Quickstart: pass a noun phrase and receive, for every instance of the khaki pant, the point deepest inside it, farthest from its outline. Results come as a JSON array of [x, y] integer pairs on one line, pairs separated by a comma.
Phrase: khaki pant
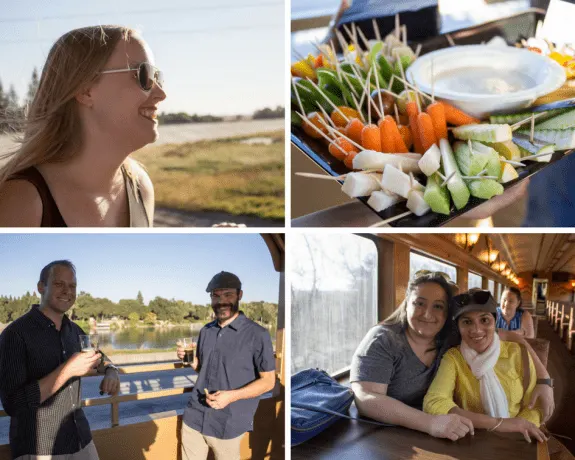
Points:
[[87, 453], [195, 446]]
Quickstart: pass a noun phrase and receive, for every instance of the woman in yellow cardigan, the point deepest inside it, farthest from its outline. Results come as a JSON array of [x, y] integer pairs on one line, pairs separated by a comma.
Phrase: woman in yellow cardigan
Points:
[[481, 379]]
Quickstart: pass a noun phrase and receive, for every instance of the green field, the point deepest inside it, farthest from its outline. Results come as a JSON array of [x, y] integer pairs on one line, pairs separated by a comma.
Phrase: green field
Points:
[[221, 175]]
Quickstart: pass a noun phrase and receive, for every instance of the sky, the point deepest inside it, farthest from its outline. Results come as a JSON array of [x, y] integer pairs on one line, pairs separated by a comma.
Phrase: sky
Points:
[[220, 57], [116, 266]]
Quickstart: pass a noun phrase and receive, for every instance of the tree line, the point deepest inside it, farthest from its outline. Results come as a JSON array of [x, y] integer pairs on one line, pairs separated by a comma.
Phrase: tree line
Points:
[[12, 113], [135, 310]]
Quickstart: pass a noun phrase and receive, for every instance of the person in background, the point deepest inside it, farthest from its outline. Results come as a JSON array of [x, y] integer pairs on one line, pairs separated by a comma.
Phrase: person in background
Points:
[[235, 364], [511, 316], [483, 374], [41, 363]]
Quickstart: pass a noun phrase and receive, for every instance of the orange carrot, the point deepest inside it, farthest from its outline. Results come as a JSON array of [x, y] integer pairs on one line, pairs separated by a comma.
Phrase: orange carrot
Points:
[[345, 145], [406, 136], [338, 120], [457, 117], [413, 112], [400, 146], [353, 130], [349, 159], [437, 114], [370, 138], [386, 137], [318, 62], [315, 118], [426, 131]]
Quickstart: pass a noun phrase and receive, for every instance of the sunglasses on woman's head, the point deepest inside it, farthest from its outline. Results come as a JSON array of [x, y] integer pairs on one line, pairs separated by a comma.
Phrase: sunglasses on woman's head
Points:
[[473, 298], [146, 74], [419, 273]]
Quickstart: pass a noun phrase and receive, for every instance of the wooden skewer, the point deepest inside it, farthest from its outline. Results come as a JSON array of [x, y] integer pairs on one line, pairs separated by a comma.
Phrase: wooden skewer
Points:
[[418, 101], [333, 53], [446, 180], [336, 133], [532, 128], [404, 30], [376, 29], [320, 176], [348, 32], [391, 82], [365, 90], [344, 45], [397, 26], [530, 157], [450, 39], [396, 114], [335, 107], [418, 50], [319, 131], [441, 175], [385, 222], [409, 85], [512, 163], [303, 87], [517, 125], [358, 108], [379, 94], [297, 96], [344, 75], [326, 115], [363, 38]]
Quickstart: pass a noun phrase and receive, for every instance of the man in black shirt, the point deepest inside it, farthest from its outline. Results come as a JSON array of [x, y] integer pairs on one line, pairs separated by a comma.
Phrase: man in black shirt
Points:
[[235, 364], [41, 364]]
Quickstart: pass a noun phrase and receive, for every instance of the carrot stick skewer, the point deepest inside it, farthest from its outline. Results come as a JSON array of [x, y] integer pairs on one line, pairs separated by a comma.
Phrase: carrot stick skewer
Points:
[[412, 112], [437, 114], [426, 131], [456, 116]]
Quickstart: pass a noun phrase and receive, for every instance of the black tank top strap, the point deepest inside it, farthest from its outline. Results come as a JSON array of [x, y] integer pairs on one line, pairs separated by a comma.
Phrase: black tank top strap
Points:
[[51, 216]]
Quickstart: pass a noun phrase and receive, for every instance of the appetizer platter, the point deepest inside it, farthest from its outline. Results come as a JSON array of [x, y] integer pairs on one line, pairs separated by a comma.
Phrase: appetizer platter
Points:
[[423, 138]]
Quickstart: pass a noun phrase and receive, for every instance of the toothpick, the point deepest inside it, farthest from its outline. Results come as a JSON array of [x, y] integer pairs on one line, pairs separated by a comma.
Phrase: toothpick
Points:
[[418, 50], [411, 180], [418, 101], [396, 114], [442, 176], [513, 163], [368, 100], [397, 26], [379, 94], [532, 128], [336, 133], [334, 54], [344, 75], [385, 222], [348, 32], [517, 125], [358, 108], [391, 81], [404, 30], [303, 87], [363, 38], [297, 55], [326, 115], [342, 42], [446, 180], [432, 83], [470, 145], [297, 96], [376, 30], [320, 176], [329, 100], [319, 131], [409, 85], [530, 157], [479, 177], [450, 39]]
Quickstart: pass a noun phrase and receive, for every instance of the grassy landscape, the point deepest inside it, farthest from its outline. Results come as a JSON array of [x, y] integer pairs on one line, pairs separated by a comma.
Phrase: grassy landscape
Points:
[[222, 175]]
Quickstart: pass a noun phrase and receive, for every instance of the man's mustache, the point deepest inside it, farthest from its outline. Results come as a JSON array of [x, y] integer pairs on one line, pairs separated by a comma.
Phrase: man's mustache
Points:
[[219, 305]]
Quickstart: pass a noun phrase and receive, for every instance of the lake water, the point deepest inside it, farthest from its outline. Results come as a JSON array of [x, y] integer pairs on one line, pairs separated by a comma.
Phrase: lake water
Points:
[[143, 338]]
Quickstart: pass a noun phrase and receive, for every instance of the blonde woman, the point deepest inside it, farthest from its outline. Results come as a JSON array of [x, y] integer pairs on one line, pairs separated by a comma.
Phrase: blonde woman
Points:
[[96, 104]]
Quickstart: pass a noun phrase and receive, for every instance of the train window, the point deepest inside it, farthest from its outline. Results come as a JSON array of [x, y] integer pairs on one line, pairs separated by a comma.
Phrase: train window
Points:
[[333, 298], [491, 287], [474, 280], [419, 262]]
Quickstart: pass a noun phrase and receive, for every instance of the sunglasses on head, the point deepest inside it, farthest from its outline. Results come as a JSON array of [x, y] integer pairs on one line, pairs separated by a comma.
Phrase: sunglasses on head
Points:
[[419, 273], [472, 298], [146, 74]]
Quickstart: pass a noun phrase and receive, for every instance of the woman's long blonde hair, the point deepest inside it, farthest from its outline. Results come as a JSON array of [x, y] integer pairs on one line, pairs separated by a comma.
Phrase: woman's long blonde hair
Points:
[[52, 131]]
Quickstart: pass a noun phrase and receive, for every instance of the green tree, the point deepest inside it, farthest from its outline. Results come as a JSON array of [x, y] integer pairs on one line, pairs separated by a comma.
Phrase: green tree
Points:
[[150, 318], [140, 297], [134, 318], [33, 86]]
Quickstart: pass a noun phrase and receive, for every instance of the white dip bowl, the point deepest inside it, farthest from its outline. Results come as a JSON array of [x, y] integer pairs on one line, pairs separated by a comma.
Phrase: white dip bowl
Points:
[[481, 80]]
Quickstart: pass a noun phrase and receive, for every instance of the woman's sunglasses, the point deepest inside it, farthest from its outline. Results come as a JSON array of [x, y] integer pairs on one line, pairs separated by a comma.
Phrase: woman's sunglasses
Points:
[[146, 74], [474, 298]]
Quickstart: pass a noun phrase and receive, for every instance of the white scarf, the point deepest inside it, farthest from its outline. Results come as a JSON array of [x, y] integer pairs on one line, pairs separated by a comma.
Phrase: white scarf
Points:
[[493, 397]]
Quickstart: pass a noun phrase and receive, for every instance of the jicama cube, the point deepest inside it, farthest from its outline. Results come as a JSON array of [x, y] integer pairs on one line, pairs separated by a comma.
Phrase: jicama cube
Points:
[[360, 184], [381, 200], [370, 159], [416, 203], [395, 181], [430, 161]]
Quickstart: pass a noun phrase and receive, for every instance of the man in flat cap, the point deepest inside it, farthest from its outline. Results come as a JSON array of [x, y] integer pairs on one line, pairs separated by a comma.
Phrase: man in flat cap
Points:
[[235, 364]]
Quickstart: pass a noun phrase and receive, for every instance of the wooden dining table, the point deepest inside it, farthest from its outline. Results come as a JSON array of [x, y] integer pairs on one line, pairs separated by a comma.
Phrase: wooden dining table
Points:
[[352, 440]]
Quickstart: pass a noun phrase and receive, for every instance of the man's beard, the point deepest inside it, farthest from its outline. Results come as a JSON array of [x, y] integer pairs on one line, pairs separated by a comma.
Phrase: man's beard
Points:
[[234, 308]]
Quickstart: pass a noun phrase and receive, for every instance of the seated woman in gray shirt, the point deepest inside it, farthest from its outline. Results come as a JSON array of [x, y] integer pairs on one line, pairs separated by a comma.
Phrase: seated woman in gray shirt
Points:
[[396, 361]]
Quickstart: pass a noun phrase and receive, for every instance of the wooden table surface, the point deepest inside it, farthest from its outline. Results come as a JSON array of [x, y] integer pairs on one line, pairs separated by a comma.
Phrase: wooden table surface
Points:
[[353, 440]]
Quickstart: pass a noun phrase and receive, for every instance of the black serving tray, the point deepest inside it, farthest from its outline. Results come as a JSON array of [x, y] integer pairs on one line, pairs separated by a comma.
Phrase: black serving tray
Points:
[[513, 29]]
